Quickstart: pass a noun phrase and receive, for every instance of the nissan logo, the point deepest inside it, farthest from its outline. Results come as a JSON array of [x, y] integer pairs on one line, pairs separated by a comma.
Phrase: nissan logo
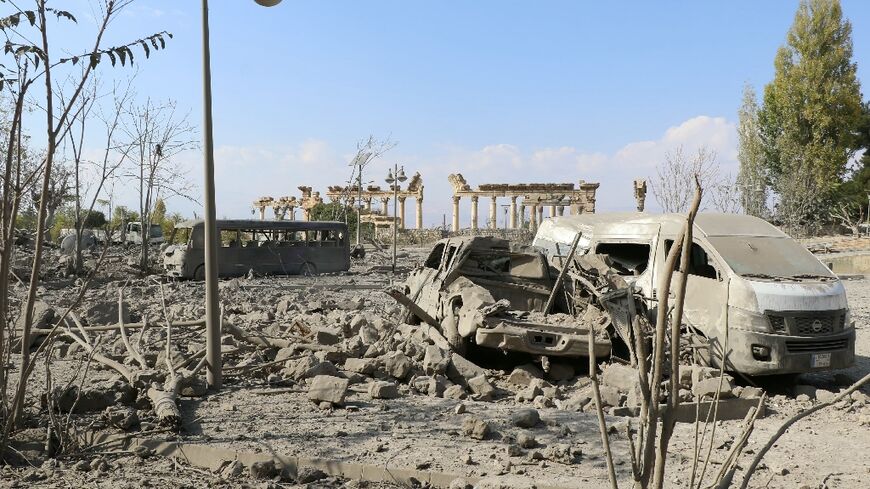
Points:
[[817, 326]]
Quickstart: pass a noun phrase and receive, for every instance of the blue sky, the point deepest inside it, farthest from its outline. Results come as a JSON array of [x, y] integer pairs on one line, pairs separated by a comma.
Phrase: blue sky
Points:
[[502, 91]]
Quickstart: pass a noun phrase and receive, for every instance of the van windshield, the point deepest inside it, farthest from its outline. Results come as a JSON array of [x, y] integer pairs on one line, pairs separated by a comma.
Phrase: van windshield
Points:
[[769, 257]]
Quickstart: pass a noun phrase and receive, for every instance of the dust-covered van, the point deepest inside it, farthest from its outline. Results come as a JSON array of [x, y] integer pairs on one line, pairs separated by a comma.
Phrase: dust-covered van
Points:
[[752, 291]]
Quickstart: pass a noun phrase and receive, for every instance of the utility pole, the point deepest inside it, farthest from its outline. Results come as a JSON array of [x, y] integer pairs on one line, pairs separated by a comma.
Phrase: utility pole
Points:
[[394, 178], [214, 375]]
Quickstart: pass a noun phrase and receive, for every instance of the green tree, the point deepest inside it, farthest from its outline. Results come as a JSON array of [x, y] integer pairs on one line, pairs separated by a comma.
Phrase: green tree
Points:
[[853, 193], [751, 178], [812, 109], [334, 211]]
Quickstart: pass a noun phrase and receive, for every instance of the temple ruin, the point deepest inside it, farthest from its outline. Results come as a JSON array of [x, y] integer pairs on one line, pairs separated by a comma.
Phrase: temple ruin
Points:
[[380, 216], [287, 205], [579, 199]]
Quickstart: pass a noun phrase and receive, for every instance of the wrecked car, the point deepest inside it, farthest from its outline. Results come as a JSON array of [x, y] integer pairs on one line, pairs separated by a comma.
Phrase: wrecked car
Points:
[[480, 291], [753, 293]]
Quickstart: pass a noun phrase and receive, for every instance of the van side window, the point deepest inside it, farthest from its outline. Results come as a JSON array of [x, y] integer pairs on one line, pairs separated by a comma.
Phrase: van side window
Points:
[[627, 258], [229, 238], [700, 263]]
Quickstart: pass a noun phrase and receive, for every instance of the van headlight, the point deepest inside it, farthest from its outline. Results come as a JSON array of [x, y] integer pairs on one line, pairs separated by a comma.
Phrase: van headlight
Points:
[[847, 323], [748, 320]]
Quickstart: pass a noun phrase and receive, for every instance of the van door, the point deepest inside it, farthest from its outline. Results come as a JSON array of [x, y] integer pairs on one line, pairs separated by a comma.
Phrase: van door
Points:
[[706, 304]]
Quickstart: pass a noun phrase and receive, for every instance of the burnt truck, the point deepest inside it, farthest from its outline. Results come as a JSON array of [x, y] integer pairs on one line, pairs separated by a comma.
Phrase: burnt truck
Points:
[[754, 295], [481, 291]]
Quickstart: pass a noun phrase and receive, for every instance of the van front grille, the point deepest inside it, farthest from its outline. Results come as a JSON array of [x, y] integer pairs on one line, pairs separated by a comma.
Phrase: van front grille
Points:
[[807, 323], [777, 323], [804, 346], [805, 326]]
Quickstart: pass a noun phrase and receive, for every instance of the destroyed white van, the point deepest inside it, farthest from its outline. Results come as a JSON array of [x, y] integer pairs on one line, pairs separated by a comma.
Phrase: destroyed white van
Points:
[[752, 291]]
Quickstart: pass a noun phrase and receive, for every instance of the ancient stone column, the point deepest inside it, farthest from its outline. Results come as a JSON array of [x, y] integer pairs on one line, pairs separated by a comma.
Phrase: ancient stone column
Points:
[[262, 213], [533, 217], [291, 211], [474, 199], [368, 201], [552, 211], [561, 210], [493, 213], [522, 215], [402, 212], [419, 213], [540, 214], [456, 213], [513, 211], [385, 205]]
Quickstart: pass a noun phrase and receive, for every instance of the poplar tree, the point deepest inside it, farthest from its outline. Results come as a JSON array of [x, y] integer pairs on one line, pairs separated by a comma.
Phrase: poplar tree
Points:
[[811, 110], [751, 179]]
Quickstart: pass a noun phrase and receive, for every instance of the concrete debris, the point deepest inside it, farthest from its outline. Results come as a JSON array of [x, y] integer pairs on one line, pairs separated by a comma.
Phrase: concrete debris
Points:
[[709, 388], [481, 387], [383, 390], [524, 374], [456, 392], [526, 440], [610, 396], [397, 365], [365, 366], [475, 428], [622, 377], [326, 388], [461, 370], [435, 361]]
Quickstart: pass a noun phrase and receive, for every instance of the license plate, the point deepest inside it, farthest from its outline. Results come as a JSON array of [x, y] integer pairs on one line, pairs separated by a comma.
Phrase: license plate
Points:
[[821, 360]]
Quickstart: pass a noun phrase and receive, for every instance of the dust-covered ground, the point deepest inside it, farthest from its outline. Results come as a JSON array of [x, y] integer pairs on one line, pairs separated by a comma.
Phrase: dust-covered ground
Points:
[[405, 407]]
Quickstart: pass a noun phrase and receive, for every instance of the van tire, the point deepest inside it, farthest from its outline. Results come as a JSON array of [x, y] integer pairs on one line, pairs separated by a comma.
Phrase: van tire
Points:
[[308, 269], [199, 273]]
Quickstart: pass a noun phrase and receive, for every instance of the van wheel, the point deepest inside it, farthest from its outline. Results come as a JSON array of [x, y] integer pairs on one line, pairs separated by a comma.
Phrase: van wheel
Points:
[[308, 270], [199, 273]]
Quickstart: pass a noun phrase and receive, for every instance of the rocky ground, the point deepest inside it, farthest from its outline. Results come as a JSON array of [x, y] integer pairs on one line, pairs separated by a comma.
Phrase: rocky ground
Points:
[[344, 379]]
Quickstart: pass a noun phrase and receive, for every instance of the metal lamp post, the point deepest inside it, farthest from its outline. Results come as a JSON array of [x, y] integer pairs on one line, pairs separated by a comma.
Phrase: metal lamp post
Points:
[[395, 181], [214, 375]]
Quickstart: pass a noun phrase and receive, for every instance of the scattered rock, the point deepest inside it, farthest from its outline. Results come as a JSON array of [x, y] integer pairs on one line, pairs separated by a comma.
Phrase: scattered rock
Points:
[[525, 418], [823, 395], [610, 396], [526, 440], [475, 428], [435, 361], [807, 390], [307, 475], [383, 390], [709, 388], [455, 392], [620, 376], [751, 392], [263, 470], [365, 366], [325, 388], [560, 371], [398, 365], [121, 417], [481, 387], [461, 370], [524, 374]]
